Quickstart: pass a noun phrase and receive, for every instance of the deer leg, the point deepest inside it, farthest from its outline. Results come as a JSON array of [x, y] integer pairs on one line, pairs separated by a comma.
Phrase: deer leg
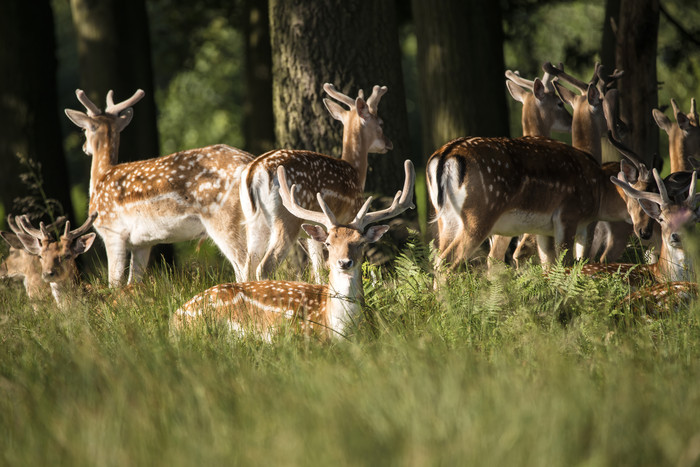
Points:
[[116, 260], [318, 260], [139, 261], [617, 241], [258, 238], [497, 253], [584, 239], [546, 250], [230, 238], [282, 238]]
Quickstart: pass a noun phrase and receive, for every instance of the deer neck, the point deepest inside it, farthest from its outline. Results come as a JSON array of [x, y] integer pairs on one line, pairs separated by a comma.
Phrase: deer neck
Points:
[[613, 205], [531, 120], [104, 157], [63, 290], [345, 296], [355, 153], [585, 133]]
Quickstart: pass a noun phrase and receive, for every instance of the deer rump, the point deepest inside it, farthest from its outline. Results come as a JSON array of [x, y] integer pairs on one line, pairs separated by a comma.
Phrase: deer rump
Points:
[[510, 186]]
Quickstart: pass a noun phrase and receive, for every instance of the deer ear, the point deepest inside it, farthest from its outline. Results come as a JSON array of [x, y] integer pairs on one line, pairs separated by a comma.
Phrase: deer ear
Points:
[[630, 171], [30, 243], [593, 95], [335, 109], [12, 240], [518, 93], [661, 120], [80, 119], [125, 118], [683, 122], [83, 244], [375, 232], [362, 108], [538, 89], [315, 231], [651, 208]]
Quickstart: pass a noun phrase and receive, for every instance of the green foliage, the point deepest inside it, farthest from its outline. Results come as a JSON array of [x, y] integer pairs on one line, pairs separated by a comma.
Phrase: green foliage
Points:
[[203, 105]]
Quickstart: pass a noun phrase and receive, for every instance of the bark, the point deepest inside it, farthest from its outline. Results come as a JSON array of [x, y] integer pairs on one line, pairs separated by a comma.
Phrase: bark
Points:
[[29, 119], [636, 54], [258, 126], [352, 44], [460, 70], [609, 41]]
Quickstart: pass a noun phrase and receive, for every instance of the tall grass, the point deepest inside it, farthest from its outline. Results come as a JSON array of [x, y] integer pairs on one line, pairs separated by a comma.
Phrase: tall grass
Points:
[[516, 370]]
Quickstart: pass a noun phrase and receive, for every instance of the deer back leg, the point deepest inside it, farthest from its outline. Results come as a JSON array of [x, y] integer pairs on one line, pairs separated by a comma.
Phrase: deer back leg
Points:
[[139, 261], [283, 234]]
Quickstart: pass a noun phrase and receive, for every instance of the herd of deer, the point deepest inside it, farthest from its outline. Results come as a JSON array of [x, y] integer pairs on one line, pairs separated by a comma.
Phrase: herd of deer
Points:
[[557, 197]]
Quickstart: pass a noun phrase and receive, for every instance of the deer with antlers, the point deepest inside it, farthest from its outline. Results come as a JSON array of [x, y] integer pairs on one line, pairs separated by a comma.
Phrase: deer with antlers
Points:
[[329, 310], [271, 229], [683, 137], [57, 255], [21, 265], [182, 196], [672, 276]]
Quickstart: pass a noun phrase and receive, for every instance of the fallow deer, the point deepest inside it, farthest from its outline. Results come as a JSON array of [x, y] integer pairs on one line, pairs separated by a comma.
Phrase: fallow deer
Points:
[[182, 196], [329, 310], [543, 112], [683, 137], [57, 256], [21, 265], [271, 229]]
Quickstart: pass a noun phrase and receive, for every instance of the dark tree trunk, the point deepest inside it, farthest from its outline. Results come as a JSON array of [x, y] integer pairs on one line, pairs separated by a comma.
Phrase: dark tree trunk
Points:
[[352, 44], [636, 55], [609, 42], [114, 53], [259, 122], [460, 70], [29, 118]]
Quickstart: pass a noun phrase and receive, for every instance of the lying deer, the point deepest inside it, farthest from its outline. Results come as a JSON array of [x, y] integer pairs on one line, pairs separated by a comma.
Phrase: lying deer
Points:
[[683, 137], [21, 265], [329, 310], [183, 196], [271, 229], [57, 256]]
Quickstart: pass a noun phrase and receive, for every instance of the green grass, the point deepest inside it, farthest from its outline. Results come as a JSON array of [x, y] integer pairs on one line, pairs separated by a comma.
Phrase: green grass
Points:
[[519, 370]]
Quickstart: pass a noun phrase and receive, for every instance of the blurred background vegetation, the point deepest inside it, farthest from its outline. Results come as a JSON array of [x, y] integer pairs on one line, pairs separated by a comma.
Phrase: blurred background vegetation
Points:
[[207, 68]]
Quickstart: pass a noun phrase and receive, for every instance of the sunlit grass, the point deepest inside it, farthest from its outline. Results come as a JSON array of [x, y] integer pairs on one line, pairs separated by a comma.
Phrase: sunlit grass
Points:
[[518, 370]]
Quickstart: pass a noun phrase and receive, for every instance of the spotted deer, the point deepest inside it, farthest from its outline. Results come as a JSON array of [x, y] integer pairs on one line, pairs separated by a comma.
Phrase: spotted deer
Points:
[[328, 310], [683, 137], [179, 197], [57, 255], [543, 112], [672, 276], [21, 265], [271, 229]]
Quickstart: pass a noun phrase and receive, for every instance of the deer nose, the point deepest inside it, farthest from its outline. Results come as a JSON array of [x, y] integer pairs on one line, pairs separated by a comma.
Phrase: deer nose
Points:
[[345, 263], [47, 275], [675, 238], [645, 234]]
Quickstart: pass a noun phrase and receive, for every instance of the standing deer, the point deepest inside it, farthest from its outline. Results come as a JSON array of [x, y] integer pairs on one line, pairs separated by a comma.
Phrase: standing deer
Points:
[[329, 310], [182, 196], [271, 229], [543, 112], [683, 137], [57, 256], [22, 265]]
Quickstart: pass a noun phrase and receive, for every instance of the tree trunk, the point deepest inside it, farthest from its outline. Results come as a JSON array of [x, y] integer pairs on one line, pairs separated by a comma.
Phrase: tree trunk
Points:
[[636, 55], [609, 42], [29, 119], [460, 70], [114, 52], [259, 122], [352, 44]]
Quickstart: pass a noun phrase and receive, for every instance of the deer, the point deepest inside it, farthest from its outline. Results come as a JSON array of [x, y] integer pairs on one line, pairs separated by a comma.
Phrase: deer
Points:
[[683, 137], [672, 277], [543, 112], [182, 196], [57, 256], [270, 228], [21, 265], [329, 310]]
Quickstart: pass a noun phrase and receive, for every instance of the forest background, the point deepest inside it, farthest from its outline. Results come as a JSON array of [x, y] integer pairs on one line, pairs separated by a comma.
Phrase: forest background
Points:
[[248, 73]]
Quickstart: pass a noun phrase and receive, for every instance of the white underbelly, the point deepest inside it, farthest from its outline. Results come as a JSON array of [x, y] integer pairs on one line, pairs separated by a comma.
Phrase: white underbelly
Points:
[[140, 231], [516, 222]]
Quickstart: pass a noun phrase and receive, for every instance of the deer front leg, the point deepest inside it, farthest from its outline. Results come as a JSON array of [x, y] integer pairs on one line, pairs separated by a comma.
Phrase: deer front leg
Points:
[[546, 250], [139, 261], [584, 240], [116, 259], [317, 258], [283, 235], [497, 253]]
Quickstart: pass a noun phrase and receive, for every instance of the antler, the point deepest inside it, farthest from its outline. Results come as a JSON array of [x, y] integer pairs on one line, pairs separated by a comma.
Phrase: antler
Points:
[[625, 151], [71, 235], [661, 198], [115, 109], [42, 233], [92, 109], [554, 71], [373, 101], [403, 200], [693, 111], [337, 95], [325, 218]]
